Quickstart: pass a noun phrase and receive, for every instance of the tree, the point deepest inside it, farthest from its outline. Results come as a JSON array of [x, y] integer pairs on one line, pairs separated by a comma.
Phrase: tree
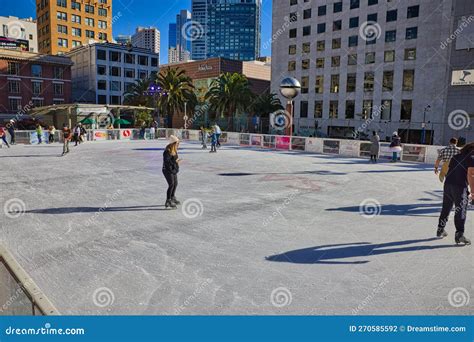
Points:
[[136, 94], [143, 117], [230, 94], [266, 104], [177, 88]]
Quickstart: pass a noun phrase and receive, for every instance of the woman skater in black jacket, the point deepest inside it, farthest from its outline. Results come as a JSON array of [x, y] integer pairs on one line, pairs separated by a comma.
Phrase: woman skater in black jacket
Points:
[[170, 171]]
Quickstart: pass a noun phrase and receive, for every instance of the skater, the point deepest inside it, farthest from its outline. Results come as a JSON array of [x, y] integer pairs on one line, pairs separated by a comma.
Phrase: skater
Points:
[[39, 133], [170, 171], [214, 141], [375, 147], [218, 131], [77, 134], [3, 136], [66, 138], [395, 147], [152, 132], [445, 156], [11, 131], [82, 134], [456, 193], [204, 137], [52, 132]]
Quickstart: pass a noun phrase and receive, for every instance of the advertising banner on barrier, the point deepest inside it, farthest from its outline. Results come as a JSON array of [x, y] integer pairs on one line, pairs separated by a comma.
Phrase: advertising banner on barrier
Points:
[[269, 141], [125, 134], [245, 139], [256, 140], [385, 150], [282, 143], [331, 146], [298, 144], [100, 135], [34, 138], [414, 153]]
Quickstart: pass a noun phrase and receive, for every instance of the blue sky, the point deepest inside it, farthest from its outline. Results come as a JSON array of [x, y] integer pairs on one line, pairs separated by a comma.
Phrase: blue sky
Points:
[[158, 13]]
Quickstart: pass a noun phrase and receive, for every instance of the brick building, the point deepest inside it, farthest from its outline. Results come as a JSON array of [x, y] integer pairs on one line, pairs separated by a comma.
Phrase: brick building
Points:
[[30, 80]]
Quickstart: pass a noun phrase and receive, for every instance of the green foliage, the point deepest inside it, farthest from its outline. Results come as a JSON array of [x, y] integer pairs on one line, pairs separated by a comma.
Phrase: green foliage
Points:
[[143, 117]]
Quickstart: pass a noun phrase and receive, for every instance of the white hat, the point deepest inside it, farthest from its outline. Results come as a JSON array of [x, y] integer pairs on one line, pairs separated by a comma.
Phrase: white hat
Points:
[[173, 139], [12, 121], [395, 133]]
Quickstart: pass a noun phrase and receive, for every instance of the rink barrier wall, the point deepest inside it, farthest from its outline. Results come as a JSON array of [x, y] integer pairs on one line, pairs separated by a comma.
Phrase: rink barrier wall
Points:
[[339, 147]]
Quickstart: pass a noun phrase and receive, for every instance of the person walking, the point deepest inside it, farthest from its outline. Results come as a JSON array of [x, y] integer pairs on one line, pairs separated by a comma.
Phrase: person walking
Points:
[[395, 147], [455, 192], [218, 132], [52, 132], [170, 171], [214, 141], [66, 138], [445, 156], [375, 147], [39, 133], [3, 136], [204, 137], [11, 131]]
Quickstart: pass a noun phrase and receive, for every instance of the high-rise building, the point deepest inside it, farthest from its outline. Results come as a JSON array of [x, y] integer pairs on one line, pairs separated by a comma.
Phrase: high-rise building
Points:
[[18, 34], [123, 39], [66, 24], [226, 28], [179, 44], [147, 38], [377, 66], [172, 35]]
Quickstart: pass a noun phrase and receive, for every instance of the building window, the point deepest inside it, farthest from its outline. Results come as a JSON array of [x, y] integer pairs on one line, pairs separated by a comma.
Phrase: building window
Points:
[[37, 102], [352, 59], [75, 5], [14, 104], [413, 11], [369, 81], [303, 109], [130, 59], [320, 63], [334, 88], [373, 2], [102, 55], [367, 109], [75, 19], [322, 10], [76, 43], [392, 15], [410, 54], [14, 87], [390, 36], [13, 68], [336, 43], [354, 22], [335, 61], [412, 33], [291, 66], [305, 64], [320, 45], [292, 50], [102, 85], [389, 56], [101, 99], [322, 28], [154, 62], [306, 47], [306, 30], [406, 109], [333, 109], [387, 82], [130, 73], [143, 60], [304, 84], [89, 9], [102, 12], [307, 13], [350, 109], [115, 56], [36, 70], [351, 83], [354, 4], [61, 3], [61, 16], [353, 41], [293, 2], [76, 32], [115, 86], [292, 33], [318, 109], [62, 29], [408, 80], [386, 110], [90, 34], [337, 7], [337, 25], [372, 17], [90, 22], [370, 58], [114, 100], [59, 73], [102, 24], [114, 71], [102, 36], [58, 89], [101, 70], [36, 87], [319, 84]]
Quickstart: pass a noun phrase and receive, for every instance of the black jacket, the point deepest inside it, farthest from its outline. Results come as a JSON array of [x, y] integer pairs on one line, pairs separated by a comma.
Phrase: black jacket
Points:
[[170, 164]]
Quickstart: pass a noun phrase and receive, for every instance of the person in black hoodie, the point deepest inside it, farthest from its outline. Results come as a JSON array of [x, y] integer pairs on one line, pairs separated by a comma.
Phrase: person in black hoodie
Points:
[[170, 171]]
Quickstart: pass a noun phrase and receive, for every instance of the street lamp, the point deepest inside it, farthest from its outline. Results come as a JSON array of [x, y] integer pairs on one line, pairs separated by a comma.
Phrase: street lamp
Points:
[[185, 115], [290, 88], [423, 125]]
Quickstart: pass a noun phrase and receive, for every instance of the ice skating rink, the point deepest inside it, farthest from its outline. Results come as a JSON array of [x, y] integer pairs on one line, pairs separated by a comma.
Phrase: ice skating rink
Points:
[[258, 232]]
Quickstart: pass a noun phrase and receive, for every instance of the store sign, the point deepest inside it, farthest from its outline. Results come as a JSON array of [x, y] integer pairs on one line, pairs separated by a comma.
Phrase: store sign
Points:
[[100, 135], [14, 44], [125, 134], [462, 77], [205, 67]]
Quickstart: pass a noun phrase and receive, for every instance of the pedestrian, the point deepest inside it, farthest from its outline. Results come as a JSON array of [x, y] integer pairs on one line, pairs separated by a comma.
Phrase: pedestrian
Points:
[[170, 171], [52, 132], [218, 134], [82, 134], [3, 136], [152, 132], [39, 133], [395, 147], [458, 179], [445, 156], [66, 138], [142, 131], [77, 134], [214, 141], [11, 131], [375, 147], [204, 137]]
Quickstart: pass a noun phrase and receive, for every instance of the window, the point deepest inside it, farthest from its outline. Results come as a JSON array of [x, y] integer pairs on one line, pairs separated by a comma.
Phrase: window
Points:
[[306, 30], [102, 12], [15, 104], [413, 11], [291, 50], [412, 33], [373, 2], [75, 19], [355, 4], [36, 70], [293, 17], [76, 32], [36, 87], [353, 41], [370, 58], [320, 63], [101, 99], [353, 22], [89, 22], [319, 84], [58, 89], [408, 80], [75, 5], [322, 28], [351, 83], [154, 62], [334, 88], [90, 9], [333, 109], [306, 47], [336, 43], [335, 61], [130, 73], [304, 84], [58, 73], [102, 36], [76, 43], [392, 15], [102, 55], [337, 25], [14, 87], [37, 102], [62, 29], [350, 109], [292, 33], [307, 13], [291, 65], [389, 56], [61, 3], [115, 86], [367, 109], [130, 59], [115, 100], [322, 10], [386, 110], [114, 71], [143, 60], [390, 36], [369, 81], [61, 16], [115, 56], [337, 7], [305, 64], [293, 2], [352, 59], [101, 70], [102, 24], [406, 109], [102, 85], [90, 34], [387, 82], [372, 17], [410, 54], [303, 109], [318, 109], [320, 45]]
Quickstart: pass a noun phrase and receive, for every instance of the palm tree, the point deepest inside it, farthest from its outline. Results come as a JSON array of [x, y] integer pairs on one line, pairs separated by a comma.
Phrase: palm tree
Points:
[[265, 104], [177, 89], [136, 94], [230, 94]]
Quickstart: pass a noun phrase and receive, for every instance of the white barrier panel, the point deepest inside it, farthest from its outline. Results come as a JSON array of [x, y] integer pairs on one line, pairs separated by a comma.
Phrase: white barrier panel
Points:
[[314, 145], [350, 148], [256, 140], [233, 138], [414, 153]]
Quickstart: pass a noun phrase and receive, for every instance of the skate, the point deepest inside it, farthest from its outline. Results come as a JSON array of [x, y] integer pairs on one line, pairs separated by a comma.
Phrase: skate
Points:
[[170, 204], [441, 233], [461, 239], [175, 201]]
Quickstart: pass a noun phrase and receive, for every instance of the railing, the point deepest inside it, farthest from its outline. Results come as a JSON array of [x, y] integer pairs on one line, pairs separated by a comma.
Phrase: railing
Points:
[[341, 147]]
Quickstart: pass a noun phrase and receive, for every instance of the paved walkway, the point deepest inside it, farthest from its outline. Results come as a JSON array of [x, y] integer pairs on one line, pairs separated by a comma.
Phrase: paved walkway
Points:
[[259, 232]]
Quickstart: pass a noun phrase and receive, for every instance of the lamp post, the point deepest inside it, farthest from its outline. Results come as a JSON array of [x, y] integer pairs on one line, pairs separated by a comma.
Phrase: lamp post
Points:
[[290, 88], [423, 125], [185, 115]]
